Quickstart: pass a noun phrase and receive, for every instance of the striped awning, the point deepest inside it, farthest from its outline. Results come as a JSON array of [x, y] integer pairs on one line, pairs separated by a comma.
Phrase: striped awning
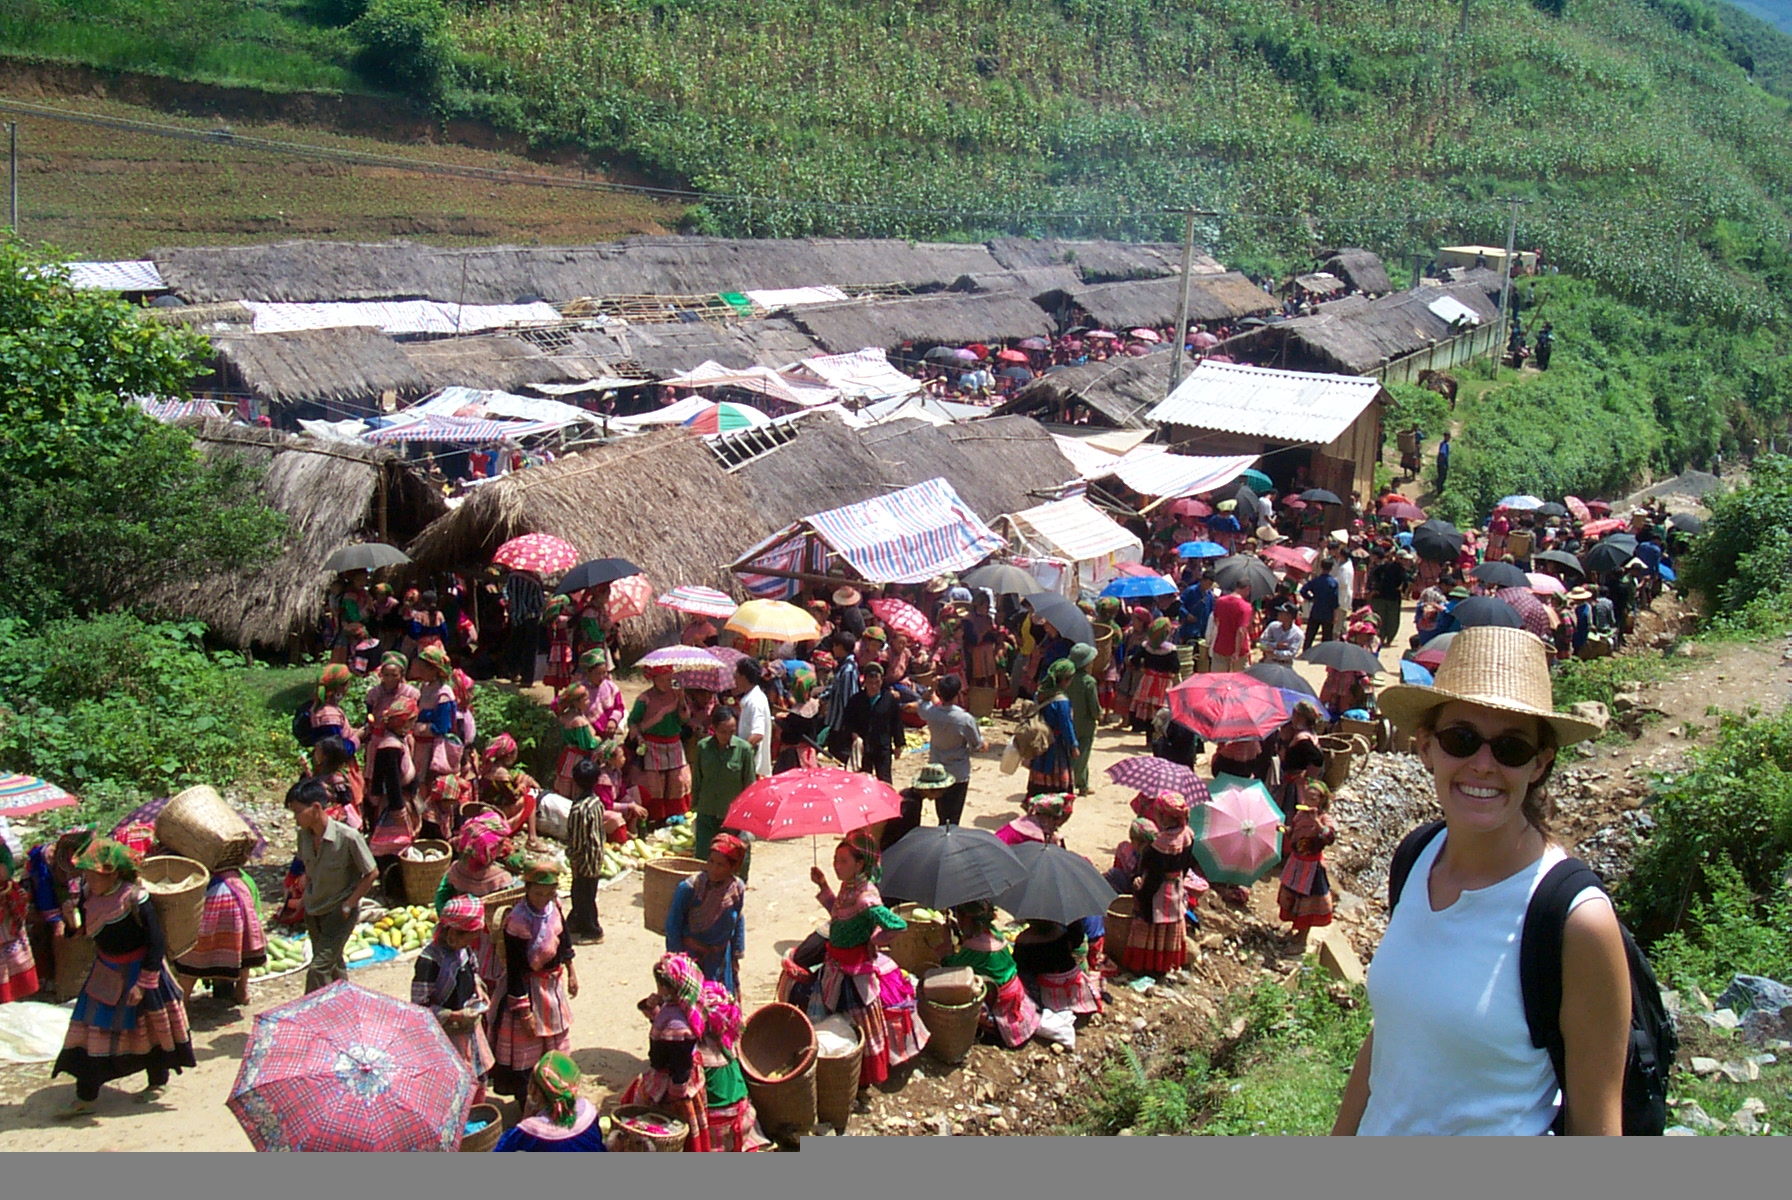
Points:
[[459, 430], [908, 536], [175, 410]]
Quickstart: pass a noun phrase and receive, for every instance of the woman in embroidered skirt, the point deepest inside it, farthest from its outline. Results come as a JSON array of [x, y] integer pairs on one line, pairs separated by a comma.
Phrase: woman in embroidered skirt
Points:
[[558, 1119], [1158, 666], [1008, 1012], [604, 704], [391, 686], [733, 1125], [392, 791], [581, 741], [436, 718], [1155, 942], [708, 920], [18, 968], [1052, 771], [533, 1012], [850, 983], [327, 719], [129, 1016], [557, 617], [1305, 896], [231, 939], [1050, 958], [476, 872], [673, 1082], [446, 981], [655, 721]]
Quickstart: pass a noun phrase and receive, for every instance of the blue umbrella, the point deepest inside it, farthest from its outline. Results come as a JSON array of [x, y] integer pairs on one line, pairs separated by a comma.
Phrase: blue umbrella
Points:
[[1291, 697], [1413, 673], [1259, 481], [1666, 572], [1201, 550], [1130, 586]]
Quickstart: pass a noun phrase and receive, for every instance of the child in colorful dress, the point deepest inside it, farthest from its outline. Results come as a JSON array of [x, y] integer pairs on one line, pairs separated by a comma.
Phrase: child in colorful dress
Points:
[[1156, 942], [558, 618], [1008, 1012], [733, 1125], [231, 940], [18, 968], [533, 1012], [557, 1119], [576, 731], [446, 981], [1305, 896], [674, 1079]]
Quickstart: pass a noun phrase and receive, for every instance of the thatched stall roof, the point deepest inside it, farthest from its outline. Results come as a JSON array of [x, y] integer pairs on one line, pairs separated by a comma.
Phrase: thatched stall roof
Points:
[[951, 319], [1356, 339], [505, 362], [1118, 391], [1035, 283], [347, 369], [1000, 465], [642, 266], [676, 347], [331, 494], [202, 316], [1154, 302], [1100, 261], [827, 465], [1360, 269], [660, 500]]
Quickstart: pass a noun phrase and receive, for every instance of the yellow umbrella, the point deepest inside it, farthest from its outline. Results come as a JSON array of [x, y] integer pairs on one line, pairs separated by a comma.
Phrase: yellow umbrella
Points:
[[772, 621]]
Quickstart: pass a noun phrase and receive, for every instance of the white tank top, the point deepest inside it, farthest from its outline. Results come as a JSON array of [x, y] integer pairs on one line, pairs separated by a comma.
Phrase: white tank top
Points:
[[1452, 1052]]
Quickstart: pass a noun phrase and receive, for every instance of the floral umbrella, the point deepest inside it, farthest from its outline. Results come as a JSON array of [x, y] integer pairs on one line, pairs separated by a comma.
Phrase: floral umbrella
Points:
[[1191, 508], [679, 658], [902, 617], [541, 553], [629, 597], [1578, 507], [1238, 833]]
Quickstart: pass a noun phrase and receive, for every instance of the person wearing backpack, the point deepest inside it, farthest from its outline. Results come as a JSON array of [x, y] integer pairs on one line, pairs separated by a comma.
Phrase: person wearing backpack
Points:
[[1451, 1050]]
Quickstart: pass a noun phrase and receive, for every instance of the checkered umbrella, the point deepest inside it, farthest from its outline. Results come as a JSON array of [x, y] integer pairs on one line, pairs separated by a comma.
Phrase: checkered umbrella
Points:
[[1152, 775], [700, 601], [345, 1069], [904, 618], [539, 552]]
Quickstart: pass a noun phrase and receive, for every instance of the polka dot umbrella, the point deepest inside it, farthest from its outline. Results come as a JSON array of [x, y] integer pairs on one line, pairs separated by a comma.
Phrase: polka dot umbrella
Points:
[[812, 802], [541, 553]]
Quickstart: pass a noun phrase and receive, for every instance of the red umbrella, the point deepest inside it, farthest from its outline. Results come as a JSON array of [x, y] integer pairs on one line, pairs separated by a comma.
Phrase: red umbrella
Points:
[[1147, 335], [1151, 775], [979, 349], [1294, 502], [811, 803], [1101, 335], [1202, 340], [1138, 569], [904, 618], [1011, 356], [1532, 611], [1431, 655], [1227, 705], [346, 1069], [1292, 558], [1601, 528], [1579, 507], [538, 552], [629, 597], [1401, 510], [1598, 506], [1191, 508]]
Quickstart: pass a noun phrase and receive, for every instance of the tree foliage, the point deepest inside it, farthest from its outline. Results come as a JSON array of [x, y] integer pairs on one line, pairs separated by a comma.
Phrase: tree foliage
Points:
[[102, 502], [1744, 557]]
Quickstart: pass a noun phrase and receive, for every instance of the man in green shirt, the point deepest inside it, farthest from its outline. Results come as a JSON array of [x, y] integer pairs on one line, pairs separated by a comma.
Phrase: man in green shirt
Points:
[[1085, 712], [721, 769]]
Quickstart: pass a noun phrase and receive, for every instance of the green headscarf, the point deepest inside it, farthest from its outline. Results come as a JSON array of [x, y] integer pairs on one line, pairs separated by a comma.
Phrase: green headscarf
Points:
[[557, 1078]]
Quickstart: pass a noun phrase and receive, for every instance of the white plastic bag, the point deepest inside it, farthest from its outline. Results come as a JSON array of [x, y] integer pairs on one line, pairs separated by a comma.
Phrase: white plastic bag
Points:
[[31, 1032], [1059, 1027], [1011, 758], [552, 813]]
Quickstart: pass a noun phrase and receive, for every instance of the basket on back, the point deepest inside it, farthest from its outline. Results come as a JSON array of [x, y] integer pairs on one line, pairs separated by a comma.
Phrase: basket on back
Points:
[[777, 1055], [659, 883], [197, 824], [176, 887]]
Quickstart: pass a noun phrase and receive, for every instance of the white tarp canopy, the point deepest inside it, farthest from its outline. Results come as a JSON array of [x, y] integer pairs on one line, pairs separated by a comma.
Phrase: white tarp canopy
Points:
[[474, 402], [761, 381], [1453, 310], [861, 375], [399, 317], [1153, 470], [795, 297], [139, 276], [609, 383], [676, 413], [921, 408], [1077, 531]]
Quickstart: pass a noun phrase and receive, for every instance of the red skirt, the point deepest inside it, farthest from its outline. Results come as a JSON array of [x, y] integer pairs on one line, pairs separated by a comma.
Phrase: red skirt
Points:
[[1151, 693], [1153, 947]]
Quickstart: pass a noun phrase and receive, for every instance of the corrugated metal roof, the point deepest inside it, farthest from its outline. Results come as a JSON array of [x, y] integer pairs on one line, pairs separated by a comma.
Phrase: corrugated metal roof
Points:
[[1077, 529], [140, 276], [1288, 406]]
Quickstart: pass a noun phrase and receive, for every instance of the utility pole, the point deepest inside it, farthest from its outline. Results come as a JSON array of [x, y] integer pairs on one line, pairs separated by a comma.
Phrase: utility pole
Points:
[[1188, 265], [1464, 32], [1506, 277], [12, 138]]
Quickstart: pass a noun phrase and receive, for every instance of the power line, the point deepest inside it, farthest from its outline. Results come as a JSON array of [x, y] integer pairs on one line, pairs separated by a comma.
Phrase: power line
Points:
[[232, 140]]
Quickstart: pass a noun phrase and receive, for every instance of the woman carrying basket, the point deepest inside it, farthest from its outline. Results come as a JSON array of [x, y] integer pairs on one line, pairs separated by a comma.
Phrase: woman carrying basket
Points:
[[446, 981], [733, 1125], [231, 940], [533, 1014]]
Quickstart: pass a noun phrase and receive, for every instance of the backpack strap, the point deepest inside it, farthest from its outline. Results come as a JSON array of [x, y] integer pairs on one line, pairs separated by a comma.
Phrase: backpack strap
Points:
[[1540, 958], [1405, 855]]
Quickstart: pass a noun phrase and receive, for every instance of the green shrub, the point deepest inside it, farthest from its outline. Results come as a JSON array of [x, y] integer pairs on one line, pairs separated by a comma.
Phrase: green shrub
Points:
[[537, 733], [1730, 934], [406, 43], [1744, 555]]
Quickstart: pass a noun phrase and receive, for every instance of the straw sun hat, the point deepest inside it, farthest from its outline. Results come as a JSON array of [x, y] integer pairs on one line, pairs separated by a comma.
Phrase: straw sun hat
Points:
[[1498, 668]]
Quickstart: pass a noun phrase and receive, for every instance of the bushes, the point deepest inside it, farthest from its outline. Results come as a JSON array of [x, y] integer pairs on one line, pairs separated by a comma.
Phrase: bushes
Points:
[[1728, 935], [405, 43], [536, 731], [1744, 557]]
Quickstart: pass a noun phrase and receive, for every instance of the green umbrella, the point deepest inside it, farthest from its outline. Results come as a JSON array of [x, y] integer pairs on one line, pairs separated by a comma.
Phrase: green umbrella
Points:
[[1259, 481], [1238, 832]]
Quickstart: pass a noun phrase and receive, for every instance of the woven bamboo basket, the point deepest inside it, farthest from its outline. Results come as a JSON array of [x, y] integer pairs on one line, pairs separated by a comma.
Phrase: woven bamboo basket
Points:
[[777, 1055], [1118, 926], [631, 1136], [953, 1027], [176, 887], [916, 948], [485, 1139], [1339, 751], [837, 1086], [980, 701], [422, 878], [74, 958], [197, 824], [659, 882], [1104, 650], [501, 899], [1380, 734]]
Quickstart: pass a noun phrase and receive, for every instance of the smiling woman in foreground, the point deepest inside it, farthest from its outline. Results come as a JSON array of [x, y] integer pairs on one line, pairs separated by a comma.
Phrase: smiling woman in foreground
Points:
[[1450, 1051]]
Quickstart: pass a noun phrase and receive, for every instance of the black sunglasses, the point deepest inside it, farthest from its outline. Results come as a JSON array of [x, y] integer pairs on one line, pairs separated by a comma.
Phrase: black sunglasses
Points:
[[1463, 741]]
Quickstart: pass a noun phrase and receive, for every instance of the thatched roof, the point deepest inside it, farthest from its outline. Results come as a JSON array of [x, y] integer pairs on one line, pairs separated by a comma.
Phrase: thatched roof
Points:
[[643, 266], [1154, 302], [827, 466], [1035, 283], [1118, 391], [660, 500], [950, 319], [999, 465], [345, 368], [1360, 269], [1099, 261], [673, 348], [504, 362], [228, 312], [1358, 337], [330, 493]]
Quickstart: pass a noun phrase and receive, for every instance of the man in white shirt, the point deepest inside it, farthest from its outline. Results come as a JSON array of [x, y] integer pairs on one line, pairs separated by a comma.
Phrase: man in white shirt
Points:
[[1345, 573], [755, 714], [1284, 637]]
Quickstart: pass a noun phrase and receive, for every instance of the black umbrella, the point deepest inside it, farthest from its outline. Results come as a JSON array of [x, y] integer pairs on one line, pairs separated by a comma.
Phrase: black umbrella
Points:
[[938, 866], [1687, 523], [1276, 675], [1015, 373], [1320, 496], [1486, 610], [941, 354], [596, 573], [1500, 575], [1250, 509], [1063, 614], [1437, 541], [1228, 571], [1059, 886], [366, 556], [1003, 580], [1611, 554], [1552, 509], [1560, 558], [1343, 656]]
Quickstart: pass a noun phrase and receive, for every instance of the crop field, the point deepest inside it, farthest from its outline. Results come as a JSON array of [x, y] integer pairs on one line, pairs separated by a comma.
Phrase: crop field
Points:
[[103, 193]]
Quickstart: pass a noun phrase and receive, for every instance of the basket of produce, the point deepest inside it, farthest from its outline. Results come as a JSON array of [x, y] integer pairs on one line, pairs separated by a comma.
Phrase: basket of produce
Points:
[[637, 1129], [422, 865], [659, 880], [777, 1055], [916, 948], [839, 1046], [197, 824], [485, 1125], [176, 886]]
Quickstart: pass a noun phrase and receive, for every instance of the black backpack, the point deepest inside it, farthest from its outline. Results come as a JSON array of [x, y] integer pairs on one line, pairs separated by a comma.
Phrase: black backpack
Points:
[[302, 728], [1653, 1042]]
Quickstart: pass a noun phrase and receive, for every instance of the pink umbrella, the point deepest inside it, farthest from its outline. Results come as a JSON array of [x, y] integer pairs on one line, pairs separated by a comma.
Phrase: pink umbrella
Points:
[[1545, 585], [1401, 510], [1601, 528], [1202, 340], [1101, 335], [1011, 356], [1220, 358], [1133, 568], [629, 597], [680, 658], [541, 553], [1138, 350], [1532, 611], [728, 656], [701, 601], [1191, 508], [1238, 832], [904, 618], [1033, 343], [1293, 558], [1578, 507], [1147, 335]]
